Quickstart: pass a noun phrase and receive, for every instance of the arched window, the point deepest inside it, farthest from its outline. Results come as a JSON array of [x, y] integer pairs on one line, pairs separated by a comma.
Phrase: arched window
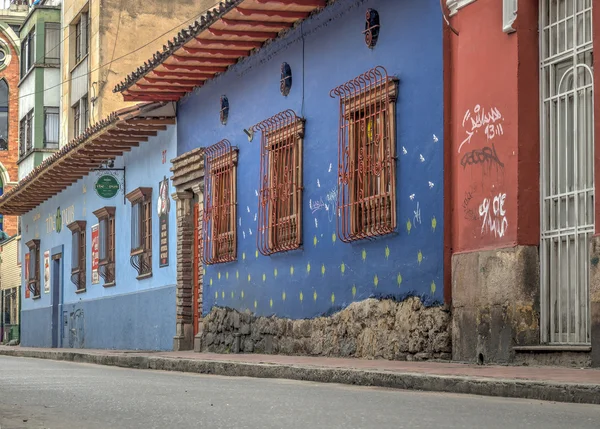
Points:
[[3, 115]]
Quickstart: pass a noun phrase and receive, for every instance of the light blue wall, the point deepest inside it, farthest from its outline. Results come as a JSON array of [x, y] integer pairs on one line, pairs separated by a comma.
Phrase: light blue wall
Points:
[[112, 314], [330, 48]]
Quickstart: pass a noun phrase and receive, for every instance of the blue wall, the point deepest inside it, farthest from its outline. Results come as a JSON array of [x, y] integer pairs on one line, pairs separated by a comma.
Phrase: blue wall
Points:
[[138, 314], [326, 274]]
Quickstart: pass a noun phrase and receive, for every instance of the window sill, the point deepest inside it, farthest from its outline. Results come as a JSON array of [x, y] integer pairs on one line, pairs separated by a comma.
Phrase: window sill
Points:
[[80, 290], [79, 62], [144, 276], [36, 297], [111, 284]]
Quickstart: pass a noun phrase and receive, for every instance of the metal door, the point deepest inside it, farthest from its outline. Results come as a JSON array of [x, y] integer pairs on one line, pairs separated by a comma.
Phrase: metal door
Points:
[[55, 290], [567, 169]]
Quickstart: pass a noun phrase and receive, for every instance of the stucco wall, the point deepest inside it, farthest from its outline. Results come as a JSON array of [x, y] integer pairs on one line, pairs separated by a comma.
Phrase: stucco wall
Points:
[[154, 311], [327, 275]]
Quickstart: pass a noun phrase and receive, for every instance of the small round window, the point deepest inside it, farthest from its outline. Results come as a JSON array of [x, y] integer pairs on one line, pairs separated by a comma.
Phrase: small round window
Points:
[[2, 57]]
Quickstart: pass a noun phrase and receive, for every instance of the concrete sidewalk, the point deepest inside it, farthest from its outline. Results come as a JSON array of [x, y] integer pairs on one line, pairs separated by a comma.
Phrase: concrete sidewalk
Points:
[[544, 383]]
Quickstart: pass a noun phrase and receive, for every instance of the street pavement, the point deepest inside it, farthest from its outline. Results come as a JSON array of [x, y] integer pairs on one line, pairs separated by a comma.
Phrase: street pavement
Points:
[[63, 395]]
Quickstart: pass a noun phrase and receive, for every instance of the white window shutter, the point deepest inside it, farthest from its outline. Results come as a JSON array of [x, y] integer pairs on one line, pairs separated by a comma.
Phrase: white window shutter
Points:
[[509, 15]]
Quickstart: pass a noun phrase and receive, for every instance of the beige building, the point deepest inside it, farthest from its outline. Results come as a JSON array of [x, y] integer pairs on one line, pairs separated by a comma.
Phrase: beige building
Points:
[[10, 281], [103, 41]]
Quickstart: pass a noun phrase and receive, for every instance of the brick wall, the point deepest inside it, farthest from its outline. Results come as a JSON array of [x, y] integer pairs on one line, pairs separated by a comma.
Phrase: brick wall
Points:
[[9, 158]]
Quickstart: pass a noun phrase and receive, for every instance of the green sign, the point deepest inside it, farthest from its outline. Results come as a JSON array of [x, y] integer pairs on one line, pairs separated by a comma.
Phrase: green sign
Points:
[[107, 187]]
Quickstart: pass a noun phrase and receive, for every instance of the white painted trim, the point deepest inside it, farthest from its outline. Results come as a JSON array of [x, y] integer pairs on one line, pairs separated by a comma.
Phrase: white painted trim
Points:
[[455, 5]]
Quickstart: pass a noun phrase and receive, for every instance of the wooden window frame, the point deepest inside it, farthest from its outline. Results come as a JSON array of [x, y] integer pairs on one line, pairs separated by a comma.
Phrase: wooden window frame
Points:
[[280, 223], [367, 150], [220, 238], [26, 134], [33, 281], [78, 273], [106, 265], [49, 49], [141, 255], [82, 37]]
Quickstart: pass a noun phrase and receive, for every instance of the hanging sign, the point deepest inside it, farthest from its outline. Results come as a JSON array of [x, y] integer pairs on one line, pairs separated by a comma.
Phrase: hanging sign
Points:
[[95, 253], [107, 186], [163, 208], [47, 271], [27, 292]]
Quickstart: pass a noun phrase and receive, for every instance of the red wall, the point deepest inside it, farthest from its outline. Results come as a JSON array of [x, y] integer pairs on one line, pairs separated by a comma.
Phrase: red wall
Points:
[[494, 132]]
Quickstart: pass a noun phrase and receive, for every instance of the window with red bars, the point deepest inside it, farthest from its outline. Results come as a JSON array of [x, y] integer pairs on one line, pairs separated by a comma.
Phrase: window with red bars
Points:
[[141, 231], [280, 196], [78, 254], [367, 156], [219, 229]]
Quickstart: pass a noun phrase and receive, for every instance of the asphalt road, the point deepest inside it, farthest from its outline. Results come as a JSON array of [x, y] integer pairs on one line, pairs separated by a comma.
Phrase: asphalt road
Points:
[[60, 395]]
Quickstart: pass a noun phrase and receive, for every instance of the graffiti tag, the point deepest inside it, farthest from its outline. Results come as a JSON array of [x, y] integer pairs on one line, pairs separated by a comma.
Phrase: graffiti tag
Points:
[[473, 122], [486, 156], [493, 215]]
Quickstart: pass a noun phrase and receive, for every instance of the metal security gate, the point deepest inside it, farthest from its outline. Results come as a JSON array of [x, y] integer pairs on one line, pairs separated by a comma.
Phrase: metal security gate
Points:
[[567, 169]]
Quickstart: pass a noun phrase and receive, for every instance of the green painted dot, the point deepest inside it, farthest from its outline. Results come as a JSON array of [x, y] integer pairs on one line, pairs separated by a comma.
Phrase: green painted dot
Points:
[[275, 273], [283, 295], [292, 270], [264, 277], [315, 241], [323, 269], [256, 254], [219, 276], [308, 268], [387, 252], [315, 295], [420, 257], [255, 304], [353, 291], [364, 255], [408, 226], [271, 303], [343, 268], [334, 237], [227, 275], [333, 298], [433, 287], [216, 295], [242, 294], [399, 279], [244, 256], [203, 271], [237, 274], [232, 294], [223, 294], [301, 297], [433, 223], [249, 278], [210, 282], [376, 280]]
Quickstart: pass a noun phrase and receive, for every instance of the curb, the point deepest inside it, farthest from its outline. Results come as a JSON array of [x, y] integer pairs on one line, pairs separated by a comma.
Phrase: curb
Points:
[[508, 388]]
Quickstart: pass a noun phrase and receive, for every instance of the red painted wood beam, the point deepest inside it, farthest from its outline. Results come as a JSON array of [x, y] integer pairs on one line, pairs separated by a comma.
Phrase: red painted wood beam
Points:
[[185, 82], [230, 43], [206, 51], [145, 97], [279, 13], [221, 61], [209, 69], [311, 3], [235, 33], [265, 24], [192, 76], [167, 87]]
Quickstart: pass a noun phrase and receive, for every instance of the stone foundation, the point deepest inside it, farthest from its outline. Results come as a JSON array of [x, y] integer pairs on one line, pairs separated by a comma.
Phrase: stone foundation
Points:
[[368, 329]]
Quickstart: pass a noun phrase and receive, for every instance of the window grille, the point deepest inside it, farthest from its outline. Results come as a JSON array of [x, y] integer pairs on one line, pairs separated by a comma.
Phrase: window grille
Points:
[[366, 201], [26, 134], [219, 232], [78, 254], [141, 231], [33, 281], [280, 195], [52, 42], [106, 239], [81, 37], [51, 127]]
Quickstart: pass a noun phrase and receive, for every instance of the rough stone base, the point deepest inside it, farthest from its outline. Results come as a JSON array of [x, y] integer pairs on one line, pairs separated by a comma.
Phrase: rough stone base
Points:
[[368, 329], [495, 303], [565, 359], [595, 299]]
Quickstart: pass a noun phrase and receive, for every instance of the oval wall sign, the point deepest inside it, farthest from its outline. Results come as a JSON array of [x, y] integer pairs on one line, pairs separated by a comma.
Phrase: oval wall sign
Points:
[[107, 187]]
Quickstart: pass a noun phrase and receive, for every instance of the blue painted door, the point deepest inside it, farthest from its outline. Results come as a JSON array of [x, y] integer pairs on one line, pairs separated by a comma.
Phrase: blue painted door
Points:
[[55, 284]]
